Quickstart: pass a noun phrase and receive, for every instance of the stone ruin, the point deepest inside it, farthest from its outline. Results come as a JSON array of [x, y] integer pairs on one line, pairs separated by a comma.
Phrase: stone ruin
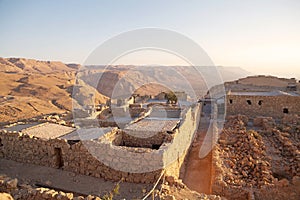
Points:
[[257, 164], [274, 104], [138, 153]]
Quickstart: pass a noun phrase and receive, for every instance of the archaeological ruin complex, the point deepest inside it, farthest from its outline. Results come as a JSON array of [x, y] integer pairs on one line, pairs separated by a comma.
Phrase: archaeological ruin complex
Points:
[[140, 152], [141, 141]]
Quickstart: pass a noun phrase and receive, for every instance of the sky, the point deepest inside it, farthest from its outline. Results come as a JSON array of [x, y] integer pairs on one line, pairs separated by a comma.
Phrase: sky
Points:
[[261, 36]]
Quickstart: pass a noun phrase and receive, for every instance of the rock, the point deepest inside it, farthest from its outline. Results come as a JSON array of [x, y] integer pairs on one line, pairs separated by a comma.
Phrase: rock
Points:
[[283, 183], [6, 196], [170, 179], [48, 183], [179, 184], [78, 198], [12, 184], [90, 197], [296, 180], [168, 197]]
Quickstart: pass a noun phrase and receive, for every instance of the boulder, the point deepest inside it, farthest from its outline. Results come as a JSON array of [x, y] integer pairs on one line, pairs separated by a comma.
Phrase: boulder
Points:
[[6, 196]]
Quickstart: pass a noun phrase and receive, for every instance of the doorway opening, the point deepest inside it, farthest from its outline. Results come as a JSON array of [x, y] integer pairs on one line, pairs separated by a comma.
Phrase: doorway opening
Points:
[[59, 163]]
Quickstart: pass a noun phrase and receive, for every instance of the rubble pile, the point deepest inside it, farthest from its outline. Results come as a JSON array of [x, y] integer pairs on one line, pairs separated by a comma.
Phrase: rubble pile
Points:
[[288, 149], [24, 191], [243, 154], [291, 120], [264, 122], [173, 188]]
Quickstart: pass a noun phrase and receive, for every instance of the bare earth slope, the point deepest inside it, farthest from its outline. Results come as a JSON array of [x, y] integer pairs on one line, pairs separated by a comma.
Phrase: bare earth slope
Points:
[[30, 88]]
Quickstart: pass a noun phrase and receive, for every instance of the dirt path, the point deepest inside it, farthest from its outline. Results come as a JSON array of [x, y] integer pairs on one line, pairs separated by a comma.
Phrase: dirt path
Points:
[[199, 170]]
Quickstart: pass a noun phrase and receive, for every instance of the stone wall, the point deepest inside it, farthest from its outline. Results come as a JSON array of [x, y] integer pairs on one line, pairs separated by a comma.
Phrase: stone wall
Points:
[[269, 106], [101, 158], [28, 149], [176, 151], [92, 158], [131, 141], [136, 111]]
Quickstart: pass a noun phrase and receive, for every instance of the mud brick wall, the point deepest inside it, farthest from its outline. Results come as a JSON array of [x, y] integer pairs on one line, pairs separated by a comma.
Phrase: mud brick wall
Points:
[[268, 106]]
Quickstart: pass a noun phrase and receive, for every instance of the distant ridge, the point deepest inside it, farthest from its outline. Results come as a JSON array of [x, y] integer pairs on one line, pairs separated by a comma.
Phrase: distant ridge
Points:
[[22, 65]]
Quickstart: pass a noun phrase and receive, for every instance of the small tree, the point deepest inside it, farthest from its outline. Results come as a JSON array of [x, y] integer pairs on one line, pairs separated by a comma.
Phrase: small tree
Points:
[[171, 97]]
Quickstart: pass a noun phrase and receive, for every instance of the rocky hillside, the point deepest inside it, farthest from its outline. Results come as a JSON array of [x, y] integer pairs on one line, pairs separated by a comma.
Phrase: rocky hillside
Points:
[[22, 65], [31, 88]]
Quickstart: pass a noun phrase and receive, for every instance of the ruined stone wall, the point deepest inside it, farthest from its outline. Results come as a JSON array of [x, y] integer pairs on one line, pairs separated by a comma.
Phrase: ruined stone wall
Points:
[[271, 106], [100, 158], [111, 162], [131, 141], [245, 168], [176, 151], [136, 111], [91, 158], [27, 149]]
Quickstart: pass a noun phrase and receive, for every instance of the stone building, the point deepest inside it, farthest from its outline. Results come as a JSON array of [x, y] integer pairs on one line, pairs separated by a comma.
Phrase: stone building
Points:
[[140, 152], [274, 104]]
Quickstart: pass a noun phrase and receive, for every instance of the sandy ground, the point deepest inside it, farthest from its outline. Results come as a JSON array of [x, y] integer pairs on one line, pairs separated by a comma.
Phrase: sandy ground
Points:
[[68, 181], [198, 174]]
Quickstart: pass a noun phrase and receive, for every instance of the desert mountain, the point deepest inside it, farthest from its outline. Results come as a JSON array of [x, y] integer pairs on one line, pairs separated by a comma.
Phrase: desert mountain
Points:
[[31, 88], [115, 79], [22, 65]]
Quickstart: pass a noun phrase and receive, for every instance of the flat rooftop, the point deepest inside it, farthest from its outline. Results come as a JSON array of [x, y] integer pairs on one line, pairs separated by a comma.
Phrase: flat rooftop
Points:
[[154, 125], [20, 127], [270, 93], [87, 133], [48, 130]]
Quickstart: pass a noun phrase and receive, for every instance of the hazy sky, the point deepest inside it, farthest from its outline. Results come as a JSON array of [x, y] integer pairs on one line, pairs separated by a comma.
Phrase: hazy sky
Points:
[[261, 36]]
